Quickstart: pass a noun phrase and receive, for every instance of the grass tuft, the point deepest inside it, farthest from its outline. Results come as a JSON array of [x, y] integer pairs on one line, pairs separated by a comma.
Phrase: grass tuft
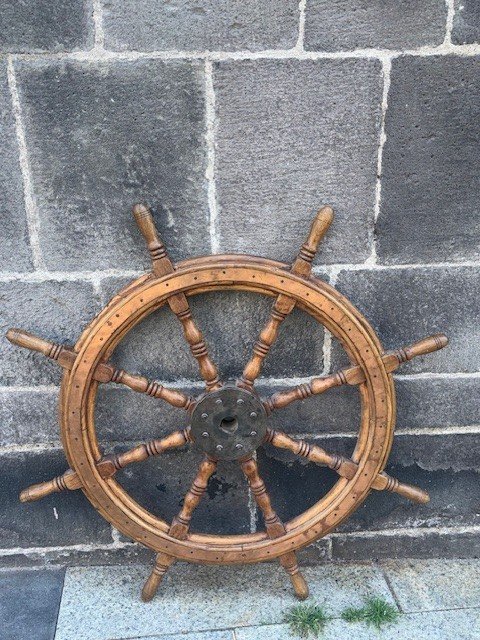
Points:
[[376, 612], [306, 619], [353, 615]]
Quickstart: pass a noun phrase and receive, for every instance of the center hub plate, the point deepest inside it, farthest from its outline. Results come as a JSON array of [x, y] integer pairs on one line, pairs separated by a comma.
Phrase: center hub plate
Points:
[[229, 423]]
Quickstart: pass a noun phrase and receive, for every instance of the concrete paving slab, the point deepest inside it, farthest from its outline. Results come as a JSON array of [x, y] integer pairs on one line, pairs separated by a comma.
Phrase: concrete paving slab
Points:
[[421, 585], [201, 635], [200, 598], [445, 625], [29, 602]]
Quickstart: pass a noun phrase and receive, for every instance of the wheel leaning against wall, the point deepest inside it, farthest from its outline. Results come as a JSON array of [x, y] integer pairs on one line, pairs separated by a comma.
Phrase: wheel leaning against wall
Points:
[[229, 420]]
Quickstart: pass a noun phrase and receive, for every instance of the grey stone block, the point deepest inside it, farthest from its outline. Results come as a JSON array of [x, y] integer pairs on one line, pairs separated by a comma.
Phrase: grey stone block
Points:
[[61, 519], [91, 556], [435, 584], [231, 322], [466, 22], [293, 485], [195, 635], [122, 415], [430, 184], [203, 598], [441, 402], [159, 484], [422, 403], [443, 465], [454, 498], [377, 545], [15, 254], [350, 24], [405, 305], [147, 25], [39, 25], [293, 135], [337, 410], [57, 311], [428, 625], [28, 417], [29, 603], [104, 136]]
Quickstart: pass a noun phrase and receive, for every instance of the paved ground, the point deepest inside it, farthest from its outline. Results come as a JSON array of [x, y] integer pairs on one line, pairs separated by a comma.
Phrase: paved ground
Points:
[[437, 599]]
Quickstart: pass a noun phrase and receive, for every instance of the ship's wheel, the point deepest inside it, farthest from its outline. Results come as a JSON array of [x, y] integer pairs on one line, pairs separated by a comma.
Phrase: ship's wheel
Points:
[[229, 420]]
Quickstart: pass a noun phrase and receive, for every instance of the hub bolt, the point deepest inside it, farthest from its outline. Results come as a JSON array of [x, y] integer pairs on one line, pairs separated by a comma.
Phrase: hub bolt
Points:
[[253, 414], [205, 434], [219, 447], [253, 433], [240, 401], [218, 401], [239, 446], [204, 416]]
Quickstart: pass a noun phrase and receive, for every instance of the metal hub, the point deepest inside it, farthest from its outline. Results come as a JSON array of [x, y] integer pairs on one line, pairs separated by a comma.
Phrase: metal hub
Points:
[[229, 423]]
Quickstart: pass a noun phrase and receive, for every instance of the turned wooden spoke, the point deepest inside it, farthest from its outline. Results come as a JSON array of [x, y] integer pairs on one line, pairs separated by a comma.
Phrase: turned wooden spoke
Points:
[[104, 372], [107, 466], [274, 526], [161, 266], [181, 522], [180, 525], [284, 304], [353, 375], [345, 467]]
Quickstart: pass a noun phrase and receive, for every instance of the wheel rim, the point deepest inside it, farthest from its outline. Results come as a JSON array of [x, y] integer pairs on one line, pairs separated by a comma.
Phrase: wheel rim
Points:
[[212, 274]]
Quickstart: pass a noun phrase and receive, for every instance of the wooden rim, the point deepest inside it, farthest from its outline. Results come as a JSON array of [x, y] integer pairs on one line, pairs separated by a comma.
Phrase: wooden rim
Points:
[[215, 273]]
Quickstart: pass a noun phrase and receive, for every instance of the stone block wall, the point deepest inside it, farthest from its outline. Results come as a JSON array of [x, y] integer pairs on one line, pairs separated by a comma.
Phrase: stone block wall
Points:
[[235, 121]]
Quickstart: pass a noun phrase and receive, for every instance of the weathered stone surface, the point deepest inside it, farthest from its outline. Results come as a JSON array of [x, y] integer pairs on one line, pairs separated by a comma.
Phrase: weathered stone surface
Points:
[[104, 136], [441, 402], [15, 254], [466, 22], [428, 625], [122, 415], [28, 417], [430, 184], [444, 465], [105, 555], [434, 584], [54, 310], [454, 499], [231, 322], [293, 135], [29, 603], [337, 410], [160, 484], [202, 597], [348, 24], [405, 305], [147, 25], [61, 519], [359, 547], [421, 403], [40, 25]]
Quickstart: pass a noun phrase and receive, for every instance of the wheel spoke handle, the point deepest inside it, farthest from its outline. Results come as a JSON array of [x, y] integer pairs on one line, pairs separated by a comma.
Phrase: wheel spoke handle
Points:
[[161, 266], [283, 304], [104, 372], [180, 525], [345, 467], [353, 375], [274, 526], [181, 522], [107, 466]]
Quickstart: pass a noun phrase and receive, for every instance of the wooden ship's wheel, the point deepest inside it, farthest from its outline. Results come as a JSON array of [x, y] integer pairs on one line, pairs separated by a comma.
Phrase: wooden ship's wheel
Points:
[[229, 420]]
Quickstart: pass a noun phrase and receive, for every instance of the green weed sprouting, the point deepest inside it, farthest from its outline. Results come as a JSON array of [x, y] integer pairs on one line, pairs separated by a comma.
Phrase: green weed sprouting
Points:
[[306, 619]]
